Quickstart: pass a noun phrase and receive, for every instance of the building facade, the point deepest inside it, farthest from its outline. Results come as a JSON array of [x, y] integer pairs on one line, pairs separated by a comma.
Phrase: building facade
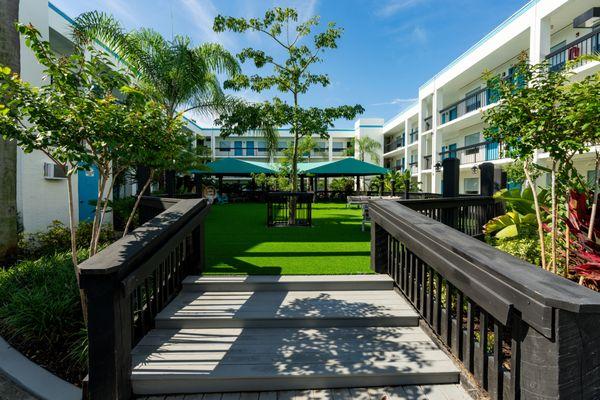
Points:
[[446, 121]]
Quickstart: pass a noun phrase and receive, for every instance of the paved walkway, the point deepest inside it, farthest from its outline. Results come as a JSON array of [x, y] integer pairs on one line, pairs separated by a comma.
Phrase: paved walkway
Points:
[[10, 391]]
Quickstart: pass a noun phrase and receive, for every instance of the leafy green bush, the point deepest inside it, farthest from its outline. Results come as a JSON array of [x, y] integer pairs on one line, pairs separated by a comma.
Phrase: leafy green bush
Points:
[[526, 248], [40, 311], [57, 239]]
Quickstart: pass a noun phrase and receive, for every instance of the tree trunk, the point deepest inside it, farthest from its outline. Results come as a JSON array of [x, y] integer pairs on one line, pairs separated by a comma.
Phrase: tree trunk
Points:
[[595, 201], [9, 56], [293, 204], [137, 203], [101, 186], [538, 213], [103, 212], [73, 228], [554, 219]]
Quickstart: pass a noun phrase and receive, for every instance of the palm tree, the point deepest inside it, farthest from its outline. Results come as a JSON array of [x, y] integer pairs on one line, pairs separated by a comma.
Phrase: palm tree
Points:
[[10, 57], [367, 145], [180, 76]]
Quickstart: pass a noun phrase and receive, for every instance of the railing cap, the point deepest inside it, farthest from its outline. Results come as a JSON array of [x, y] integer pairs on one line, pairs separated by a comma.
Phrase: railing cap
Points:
[[507, 273], [142, 241]]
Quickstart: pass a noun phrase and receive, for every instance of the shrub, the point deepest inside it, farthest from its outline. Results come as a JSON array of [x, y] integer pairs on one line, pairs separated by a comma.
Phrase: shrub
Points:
[[527, 248], [57, 239], [40, 313]]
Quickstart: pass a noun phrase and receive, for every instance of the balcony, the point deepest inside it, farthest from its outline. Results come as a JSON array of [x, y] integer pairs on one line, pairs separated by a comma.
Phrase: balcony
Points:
[[427, 163], [413, 136], [427, 123], [585, 45], [472, 102], [394, 144], [476, 153], [413, 167]]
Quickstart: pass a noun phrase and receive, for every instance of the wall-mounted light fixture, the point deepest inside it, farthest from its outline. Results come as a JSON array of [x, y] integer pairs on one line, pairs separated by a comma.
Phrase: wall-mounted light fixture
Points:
[[474, 169], [588, 19], [438, 167]]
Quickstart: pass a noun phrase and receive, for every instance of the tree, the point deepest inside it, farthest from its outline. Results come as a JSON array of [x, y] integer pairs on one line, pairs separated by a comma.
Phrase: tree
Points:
[[75, 118], [367, 146], [291, 75], [9, 56], [532, 115], [180, 76]]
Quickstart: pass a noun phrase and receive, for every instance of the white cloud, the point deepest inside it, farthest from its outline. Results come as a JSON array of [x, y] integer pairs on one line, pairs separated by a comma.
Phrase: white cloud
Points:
[[396, 101], [392, 7], [420, 35], [203, 14], [121, 10]]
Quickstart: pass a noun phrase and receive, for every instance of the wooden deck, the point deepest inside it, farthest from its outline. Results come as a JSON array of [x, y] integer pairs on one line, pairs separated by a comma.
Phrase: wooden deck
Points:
[[413, 392], [325, 334]]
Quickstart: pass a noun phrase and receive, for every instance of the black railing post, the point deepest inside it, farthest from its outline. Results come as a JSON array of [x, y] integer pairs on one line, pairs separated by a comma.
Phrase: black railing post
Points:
[[198, 184], [381, 185], [170, 182], [378, 249], [487, 185], [109, 333], [406, 188], [451, 176]]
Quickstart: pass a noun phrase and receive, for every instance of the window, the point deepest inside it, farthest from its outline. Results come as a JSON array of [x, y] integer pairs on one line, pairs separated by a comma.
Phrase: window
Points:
[[224, 146], [471, 185], [471, 140]]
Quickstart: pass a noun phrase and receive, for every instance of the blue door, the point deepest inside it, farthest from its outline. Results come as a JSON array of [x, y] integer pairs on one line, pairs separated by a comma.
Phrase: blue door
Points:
[[452, 150], [87, 190], [250, 148], [237, 148]]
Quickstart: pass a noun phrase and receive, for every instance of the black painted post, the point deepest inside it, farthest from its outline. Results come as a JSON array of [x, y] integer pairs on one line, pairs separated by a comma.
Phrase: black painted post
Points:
[[486, 179], [198, 184], [382, 185], [406, 188], [220, 184], [451, 176], [503, 179], [325, 186], [302, 185], [378, 249], [170, 182], [110, 341], [393, 184], [357, 184], [141, 176]]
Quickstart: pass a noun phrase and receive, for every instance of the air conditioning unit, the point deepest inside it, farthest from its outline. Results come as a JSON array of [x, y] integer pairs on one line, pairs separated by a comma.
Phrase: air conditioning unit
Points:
[[53, 171]]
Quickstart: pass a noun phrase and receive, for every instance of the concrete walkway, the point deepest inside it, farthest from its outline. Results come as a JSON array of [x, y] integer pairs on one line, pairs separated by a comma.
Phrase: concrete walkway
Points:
[[10, 391]]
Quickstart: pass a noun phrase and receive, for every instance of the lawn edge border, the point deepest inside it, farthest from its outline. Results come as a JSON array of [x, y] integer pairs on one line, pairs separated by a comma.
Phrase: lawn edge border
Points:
[[32, 378]]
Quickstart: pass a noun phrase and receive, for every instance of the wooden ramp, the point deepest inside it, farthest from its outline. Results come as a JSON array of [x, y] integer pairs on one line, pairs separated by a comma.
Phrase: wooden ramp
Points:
[[240, 334]]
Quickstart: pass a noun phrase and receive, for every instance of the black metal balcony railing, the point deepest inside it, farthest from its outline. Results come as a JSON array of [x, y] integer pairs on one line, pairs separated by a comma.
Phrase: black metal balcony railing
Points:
[[427, 123], [412, 137], [470, 103], [413, 167], [427, 162], [394, 144], [585, 45], [475, 153]]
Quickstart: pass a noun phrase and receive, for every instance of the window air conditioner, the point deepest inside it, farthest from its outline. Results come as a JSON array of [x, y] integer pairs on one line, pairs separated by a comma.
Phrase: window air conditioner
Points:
[[53, 171]]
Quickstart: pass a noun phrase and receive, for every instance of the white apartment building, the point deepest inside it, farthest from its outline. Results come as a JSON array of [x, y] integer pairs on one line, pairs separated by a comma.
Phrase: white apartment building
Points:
[[447, 118], [42, 191]]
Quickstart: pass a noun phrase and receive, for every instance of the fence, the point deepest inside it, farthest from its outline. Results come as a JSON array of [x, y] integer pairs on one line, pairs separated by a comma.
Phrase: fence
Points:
[[127, 284], [521, 332], [279, 208], [467, 214]]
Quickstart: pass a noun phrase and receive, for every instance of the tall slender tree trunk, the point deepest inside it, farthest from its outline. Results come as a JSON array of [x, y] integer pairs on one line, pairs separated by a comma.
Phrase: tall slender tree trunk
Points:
[[73, 226], [137, 203], [9, 56], [293, 203], [554, 219], [538, 213]]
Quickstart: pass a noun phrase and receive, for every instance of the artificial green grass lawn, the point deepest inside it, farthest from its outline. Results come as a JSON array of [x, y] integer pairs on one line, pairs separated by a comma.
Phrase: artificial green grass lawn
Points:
[[239, 242]]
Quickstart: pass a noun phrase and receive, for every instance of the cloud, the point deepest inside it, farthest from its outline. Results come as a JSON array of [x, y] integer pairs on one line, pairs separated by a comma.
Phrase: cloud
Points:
[[392, 7], [203, 14], [420, 35], [121, 10], [396, 101]]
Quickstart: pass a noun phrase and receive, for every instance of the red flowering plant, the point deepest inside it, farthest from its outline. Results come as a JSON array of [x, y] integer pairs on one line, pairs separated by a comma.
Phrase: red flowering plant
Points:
[[583, 245]]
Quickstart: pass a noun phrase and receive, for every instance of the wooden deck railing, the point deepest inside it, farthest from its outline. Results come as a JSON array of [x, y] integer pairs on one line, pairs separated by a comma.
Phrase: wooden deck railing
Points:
[[521, 332], [131, 281], [467, 214]]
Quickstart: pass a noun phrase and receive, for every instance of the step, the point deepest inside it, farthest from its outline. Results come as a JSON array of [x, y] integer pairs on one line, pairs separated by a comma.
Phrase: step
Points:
[[287, 309], [254, 359], [244, 283]]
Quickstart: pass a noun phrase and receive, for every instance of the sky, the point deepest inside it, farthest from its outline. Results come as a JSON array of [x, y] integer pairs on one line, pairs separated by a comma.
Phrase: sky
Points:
[[388, 49]]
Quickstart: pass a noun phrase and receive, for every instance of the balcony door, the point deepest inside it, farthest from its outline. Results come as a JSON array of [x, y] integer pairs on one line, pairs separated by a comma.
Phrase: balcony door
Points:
[[250, 148], [238, 148]]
